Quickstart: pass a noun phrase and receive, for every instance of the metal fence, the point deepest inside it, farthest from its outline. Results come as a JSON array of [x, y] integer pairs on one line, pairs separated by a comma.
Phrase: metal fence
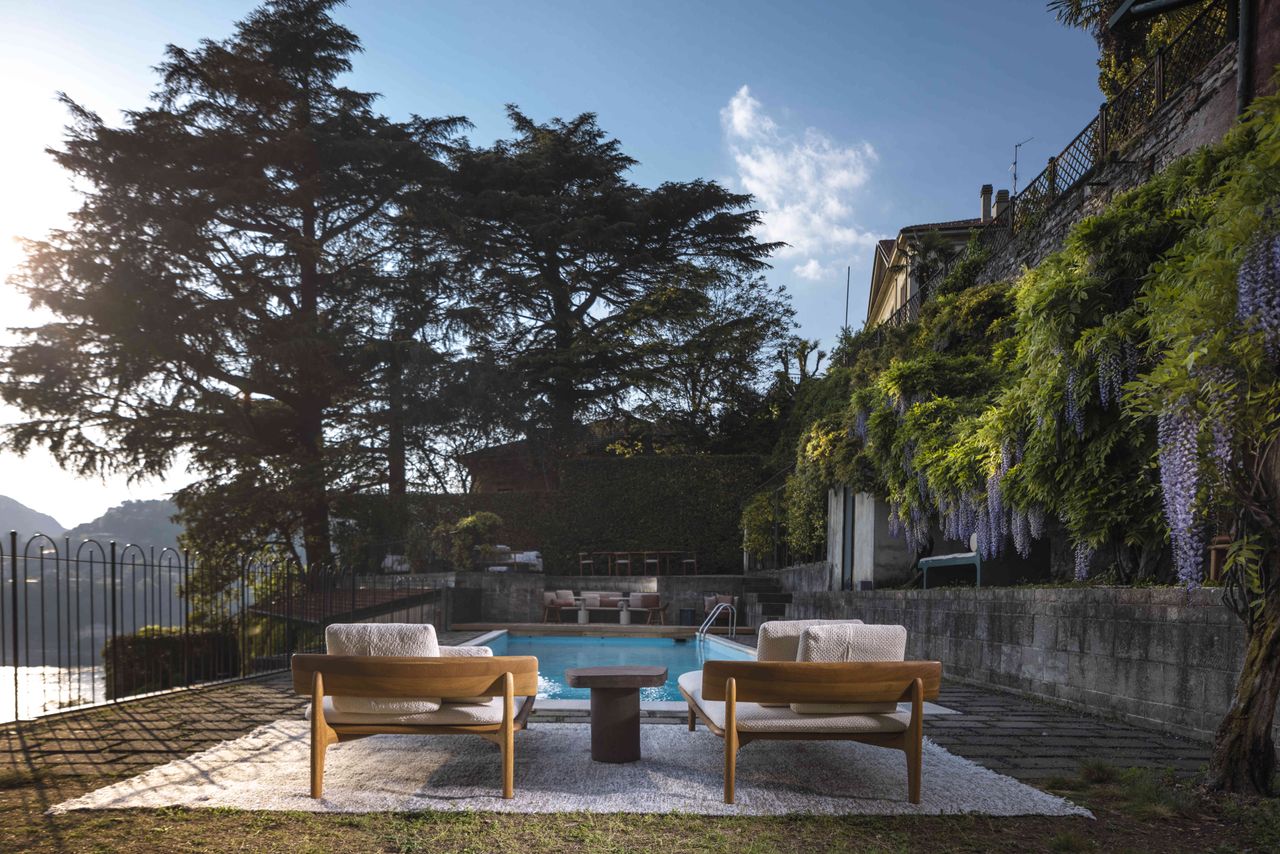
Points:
[[1120, 122], [86, 623]]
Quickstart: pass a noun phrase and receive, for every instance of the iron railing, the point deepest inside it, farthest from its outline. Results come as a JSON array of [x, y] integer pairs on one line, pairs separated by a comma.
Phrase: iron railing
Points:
[[86, 623], [1119, 123]]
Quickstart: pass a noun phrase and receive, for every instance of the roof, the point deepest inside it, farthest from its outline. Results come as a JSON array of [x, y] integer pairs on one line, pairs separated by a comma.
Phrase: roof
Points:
[[948, 225], [885, 249]]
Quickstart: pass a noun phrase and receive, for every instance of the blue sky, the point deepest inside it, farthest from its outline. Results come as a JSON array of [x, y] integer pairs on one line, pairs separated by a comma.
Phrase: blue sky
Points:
[[856, 118]]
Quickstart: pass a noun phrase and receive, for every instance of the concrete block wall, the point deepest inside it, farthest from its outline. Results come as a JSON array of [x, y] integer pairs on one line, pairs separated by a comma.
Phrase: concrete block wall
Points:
[[511, 597], [1158, 657]]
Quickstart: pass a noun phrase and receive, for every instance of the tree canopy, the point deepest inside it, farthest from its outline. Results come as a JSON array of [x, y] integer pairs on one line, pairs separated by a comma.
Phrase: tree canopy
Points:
[[235, 248], [303, 299]]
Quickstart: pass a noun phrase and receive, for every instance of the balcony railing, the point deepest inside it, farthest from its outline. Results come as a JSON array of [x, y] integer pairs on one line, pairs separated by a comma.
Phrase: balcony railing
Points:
[[1119, 123]]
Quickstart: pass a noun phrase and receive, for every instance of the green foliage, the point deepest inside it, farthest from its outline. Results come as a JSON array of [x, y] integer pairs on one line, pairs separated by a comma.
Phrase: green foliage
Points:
[[157, 658], [1044, 393], [467, 540], [675, 502], [757, 525], [1219, 369]]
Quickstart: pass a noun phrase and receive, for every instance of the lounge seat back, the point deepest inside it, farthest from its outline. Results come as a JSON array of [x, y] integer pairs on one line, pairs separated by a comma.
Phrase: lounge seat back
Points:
[[407, 677], [820, 682]]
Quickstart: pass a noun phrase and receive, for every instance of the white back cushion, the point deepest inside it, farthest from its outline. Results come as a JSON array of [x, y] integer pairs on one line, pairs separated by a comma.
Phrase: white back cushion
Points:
[[383, 639], [779, 640], [850, 643]]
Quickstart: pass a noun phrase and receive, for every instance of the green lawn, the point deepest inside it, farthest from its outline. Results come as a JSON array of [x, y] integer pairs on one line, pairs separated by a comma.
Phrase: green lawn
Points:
[[1136, 811]]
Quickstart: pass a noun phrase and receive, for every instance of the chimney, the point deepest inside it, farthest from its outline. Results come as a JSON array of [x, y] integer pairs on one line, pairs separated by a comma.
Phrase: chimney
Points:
[[1002, 202], [985, 193]]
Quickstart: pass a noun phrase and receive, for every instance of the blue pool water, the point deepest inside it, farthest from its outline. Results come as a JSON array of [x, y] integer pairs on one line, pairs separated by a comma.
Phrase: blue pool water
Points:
[[557, 654]]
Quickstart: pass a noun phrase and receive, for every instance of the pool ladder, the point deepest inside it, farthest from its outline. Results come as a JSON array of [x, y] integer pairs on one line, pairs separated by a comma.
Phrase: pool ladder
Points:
[[715, 614]]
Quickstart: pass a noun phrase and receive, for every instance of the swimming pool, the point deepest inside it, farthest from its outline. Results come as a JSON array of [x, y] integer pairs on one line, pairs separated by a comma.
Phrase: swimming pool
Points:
[[558, 653]]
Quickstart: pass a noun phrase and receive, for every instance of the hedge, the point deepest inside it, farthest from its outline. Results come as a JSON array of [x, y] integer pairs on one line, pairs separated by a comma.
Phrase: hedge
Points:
[[681, 503]]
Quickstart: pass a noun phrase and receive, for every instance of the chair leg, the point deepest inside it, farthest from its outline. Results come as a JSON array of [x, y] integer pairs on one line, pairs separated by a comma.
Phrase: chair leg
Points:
[[730, 763], [508, 737], [693, 721], [318, 748], [913, 772], [508, 764], [914, 741]]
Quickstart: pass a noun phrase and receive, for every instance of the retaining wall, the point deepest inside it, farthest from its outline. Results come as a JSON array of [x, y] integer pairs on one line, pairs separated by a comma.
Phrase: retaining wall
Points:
[[1159, 657], [516, 597]]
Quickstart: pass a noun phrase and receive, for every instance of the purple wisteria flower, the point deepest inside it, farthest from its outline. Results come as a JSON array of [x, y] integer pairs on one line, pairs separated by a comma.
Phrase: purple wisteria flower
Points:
[[1110, 377], [1020, 531], [1178, 433], [1072, 412], [860, 419], [1035, 521], [1084, 556], [1219, 381], [1258, 290]]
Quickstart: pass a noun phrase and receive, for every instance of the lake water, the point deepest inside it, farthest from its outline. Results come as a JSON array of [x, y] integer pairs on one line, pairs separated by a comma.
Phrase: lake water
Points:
[[556, 654], [41, 690]]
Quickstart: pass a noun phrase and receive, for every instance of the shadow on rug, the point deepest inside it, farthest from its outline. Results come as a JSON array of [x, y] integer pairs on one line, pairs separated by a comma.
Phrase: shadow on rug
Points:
[[681, 772]]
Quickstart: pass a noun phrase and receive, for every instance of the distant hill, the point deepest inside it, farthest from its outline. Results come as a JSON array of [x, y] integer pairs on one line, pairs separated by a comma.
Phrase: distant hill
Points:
[[16, 516], [146, 523]]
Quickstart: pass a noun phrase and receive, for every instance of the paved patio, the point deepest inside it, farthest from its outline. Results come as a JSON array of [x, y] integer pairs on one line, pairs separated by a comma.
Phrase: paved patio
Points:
[[1027, 740]]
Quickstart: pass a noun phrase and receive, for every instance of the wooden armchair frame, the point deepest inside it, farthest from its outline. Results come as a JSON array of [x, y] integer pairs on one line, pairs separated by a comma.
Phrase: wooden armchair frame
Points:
[[406, 678], [818, 682]]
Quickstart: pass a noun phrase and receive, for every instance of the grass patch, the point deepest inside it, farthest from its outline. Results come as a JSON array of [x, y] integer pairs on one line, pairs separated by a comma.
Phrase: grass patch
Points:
[[1068, 842], [1096, 772]]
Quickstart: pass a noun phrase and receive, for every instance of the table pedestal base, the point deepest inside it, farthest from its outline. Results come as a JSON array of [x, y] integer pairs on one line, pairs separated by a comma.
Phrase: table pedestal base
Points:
[[615, 724]]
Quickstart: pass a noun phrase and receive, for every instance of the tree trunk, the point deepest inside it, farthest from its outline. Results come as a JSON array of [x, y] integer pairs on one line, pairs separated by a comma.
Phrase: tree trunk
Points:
[[397, 478], [1244, 754]]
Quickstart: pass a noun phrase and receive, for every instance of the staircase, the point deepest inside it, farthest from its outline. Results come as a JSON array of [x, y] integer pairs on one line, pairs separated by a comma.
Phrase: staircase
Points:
[[768, 596]]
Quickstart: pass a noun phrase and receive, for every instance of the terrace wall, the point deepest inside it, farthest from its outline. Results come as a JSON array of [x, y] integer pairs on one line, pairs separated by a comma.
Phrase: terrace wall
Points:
[[1161, 657], [510, 597]]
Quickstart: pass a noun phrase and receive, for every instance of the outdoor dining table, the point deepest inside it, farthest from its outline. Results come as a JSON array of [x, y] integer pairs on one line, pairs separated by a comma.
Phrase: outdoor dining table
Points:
[[615, 706]]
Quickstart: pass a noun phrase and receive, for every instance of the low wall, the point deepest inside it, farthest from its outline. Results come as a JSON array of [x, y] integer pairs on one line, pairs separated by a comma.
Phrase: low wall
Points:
[[516, 597], [1158, 657]]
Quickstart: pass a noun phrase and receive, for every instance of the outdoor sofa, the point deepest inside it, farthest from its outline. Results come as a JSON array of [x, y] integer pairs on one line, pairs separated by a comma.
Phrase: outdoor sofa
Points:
[[841, 681], [395, 679], [646, 606]]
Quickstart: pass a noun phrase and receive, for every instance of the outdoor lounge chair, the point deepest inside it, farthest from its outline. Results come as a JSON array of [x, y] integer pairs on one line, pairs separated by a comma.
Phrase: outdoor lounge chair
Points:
[[458, 691], [555, 602], [651, 605], [745, 701]]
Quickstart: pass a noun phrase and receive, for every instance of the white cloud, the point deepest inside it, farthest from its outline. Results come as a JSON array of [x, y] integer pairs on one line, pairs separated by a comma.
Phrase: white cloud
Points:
[[811, 270], [803, 183]]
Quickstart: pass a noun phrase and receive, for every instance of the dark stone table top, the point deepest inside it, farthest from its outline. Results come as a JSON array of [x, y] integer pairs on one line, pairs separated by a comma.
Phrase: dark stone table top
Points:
[[624, 676]]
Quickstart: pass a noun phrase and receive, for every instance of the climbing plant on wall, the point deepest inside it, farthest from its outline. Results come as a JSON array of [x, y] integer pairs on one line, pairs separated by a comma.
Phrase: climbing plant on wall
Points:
[[1126, 390]]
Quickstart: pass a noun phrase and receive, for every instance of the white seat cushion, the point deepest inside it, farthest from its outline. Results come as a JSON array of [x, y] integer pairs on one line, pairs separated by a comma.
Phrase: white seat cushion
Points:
[[383, 639], [850, 643], [753, 717], [449, 714]]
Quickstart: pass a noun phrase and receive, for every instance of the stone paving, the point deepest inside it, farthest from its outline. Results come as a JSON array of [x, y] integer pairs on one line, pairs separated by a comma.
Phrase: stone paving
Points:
[[1028, 740]]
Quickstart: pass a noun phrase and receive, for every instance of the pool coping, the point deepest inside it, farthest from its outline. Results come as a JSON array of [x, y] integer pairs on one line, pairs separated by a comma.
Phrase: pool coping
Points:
[[661, 708]]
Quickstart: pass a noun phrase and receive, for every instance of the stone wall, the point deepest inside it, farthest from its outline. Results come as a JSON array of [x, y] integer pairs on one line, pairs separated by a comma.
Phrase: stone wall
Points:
[[516, 597], [1159, 657]]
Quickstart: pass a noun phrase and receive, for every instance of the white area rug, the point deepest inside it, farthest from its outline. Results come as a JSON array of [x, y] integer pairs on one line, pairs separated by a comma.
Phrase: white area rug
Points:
[[680, 772]]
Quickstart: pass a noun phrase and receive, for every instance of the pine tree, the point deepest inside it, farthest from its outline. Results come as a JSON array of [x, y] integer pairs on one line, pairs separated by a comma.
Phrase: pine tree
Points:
[[572, 263], [216, 293]]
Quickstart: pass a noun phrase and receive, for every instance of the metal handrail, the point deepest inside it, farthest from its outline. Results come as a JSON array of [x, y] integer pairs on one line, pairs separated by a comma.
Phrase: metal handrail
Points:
[[716, 612]]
